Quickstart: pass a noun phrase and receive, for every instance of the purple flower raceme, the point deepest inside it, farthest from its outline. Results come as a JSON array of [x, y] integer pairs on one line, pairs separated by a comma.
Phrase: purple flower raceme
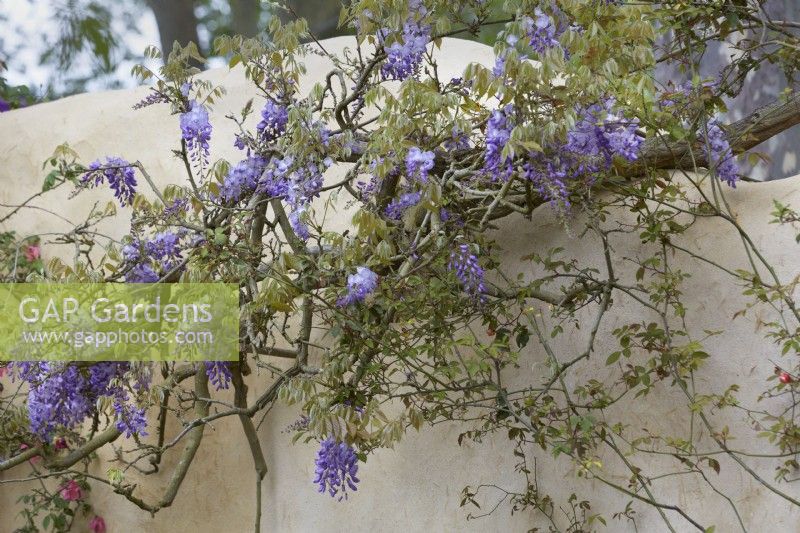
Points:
[[149, 260], [600, 133], [242, 178], [498, 133], [219, 374], [57, 397], [404, 55], [301, 424], [65, 395], [4, 106], [598, 136], [603, 132], [336, 468], [359, 285], [457, 142], [274, 118], [499, 68], [165, 248], [398, 206], [154, 97], [178, 206], [418, 164], [548, 177], [719, 153], [131, 419], [541, 31], [297, 183], [464, 265], [118, 173], [142, 273], [196, 131], [297, 223]]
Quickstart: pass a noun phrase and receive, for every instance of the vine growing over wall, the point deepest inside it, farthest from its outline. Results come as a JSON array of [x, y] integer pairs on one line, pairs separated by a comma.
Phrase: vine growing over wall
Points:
[[425, 323]]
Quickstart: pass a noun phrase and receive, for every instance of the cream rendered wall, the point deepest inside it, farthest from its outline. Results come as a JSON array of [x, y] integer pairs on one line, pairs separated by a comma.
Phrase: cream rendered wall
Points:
[[416, 487]]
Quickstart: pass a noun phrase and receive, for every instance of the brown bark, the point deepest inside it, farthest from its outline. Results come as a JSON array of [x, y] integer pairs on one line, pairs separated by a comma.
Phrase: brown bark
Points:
[[322, 16], [176, 22], [245, 15], [757, 127]]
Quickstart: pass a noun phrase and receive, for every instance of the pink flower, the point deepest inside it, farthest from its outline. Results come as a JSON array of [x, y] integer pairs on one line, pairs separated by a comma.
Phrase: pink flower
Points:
[[61, 443], [71, 491], [97, 525], [35, 458], [32, 252], [3, 371]]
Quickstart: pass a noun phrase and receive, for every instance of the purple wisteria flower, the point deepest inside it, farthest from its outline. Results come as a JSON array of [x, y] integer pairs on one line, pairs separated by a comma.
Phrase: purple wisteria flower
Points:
[[118, 173], [242, 178], [56, 398], [419, 163], [719, 154], [131, 419], [466, 268], [196, 131], [457, 142], [359, 285], [499, 68], [301, 424], [219, 374], [404, 56], [178, 206], [165, 248], [548, 177], [142, 273], [148, 260], [600, 134], [498, 133], [603, 133], [274, 118], [4, 106], [155, 97], [541, 31], [297, 184], [297, 223], [65, 395], [398, 206], [336, 468]]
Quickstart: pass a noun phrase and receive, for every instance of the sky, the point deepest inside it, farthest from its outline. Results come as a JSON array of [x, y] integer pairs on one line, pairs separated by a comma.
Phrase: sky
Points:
[[29, 22]]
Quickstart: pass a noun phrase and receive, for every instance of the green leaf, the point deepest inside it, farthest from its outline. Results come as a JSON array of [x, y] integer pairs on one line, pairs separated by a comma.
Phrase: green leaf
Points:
[[50, 181]]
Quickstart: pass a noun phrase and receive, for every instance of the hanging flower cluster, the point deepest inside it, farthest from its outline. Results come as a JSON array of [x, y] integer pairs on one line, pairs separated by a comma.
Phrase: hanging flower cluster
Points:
[[242, 178], [196, 131], [404, 55], [418, 164], [719, 154], [274, 118], [359, 285], [498, 133], [65, 395], [336, 468], [399, 205], [541, 31], [219, 374], [150, 259], [119, 175], [600, 134], [464, 264]]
